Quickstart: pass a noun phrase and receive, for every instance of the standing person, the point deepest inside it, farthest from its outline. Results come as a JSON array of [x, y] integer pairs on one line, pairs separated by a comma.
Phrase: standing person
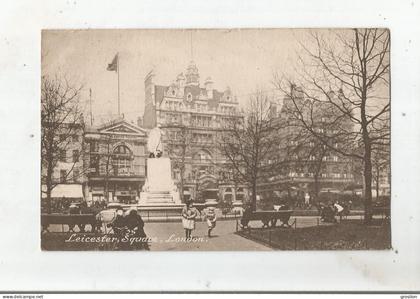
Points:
[[188, 219], [339, 209], [246, 215], [307, 202], [211, 219]]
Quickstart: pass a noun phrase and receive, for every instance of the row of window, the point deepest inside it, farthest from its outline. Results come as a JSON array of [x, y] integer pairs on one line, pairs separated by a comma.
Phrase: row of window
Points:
[[65, 175], [322, 175], [72, 138], [63, 156], [201, 121], [121, 149], [202, 137], [311, 144]]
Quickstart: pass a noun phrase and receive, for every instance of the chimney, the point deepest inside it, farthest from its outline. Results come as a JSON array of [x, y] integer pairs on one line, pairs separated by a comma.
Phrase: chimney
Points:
[[208, 84], [180, 81]]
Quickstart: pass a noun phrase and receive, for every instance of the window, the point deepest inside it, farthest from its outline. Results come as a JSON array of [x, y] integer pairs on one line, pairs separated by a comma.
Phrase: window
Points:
[[122, 161], [94, 164], [63, 175], [75, 138], [75, 156], [62, 156], [324, 175], [311, 144], [312, 158], [94, 147], [335, 158], [76, 174]]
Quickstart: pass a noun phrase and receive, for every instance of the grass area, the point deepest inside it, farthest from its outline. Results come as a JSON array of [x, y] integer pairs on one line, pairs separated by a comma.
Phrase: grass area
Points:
[[347, 235]]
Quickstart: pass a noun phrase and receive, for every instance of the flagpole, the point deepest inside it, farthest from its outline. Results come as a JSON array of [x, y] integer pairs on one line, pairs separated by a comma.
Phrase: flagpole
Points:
[[90, 103], [118, 75]]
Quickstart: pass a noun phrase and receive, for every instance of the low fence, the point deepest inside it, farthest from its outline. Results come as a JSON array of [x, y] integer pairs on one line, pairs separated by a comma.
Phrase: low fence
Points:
[[308, 233]]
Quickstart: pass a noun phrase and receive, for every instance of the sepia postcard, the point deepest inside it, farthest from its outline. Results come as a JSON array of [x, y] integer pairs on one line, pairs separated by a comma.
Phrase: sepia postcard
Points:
[[215, 139]]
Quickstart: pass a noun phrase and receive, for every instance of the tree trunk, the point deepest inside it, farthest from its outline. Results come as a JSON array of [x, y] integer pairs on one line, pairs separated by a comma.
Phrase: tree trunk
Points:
[[49, 179], [316, 188], [377, 181], [181, 185], [254, 195], [368, 182]]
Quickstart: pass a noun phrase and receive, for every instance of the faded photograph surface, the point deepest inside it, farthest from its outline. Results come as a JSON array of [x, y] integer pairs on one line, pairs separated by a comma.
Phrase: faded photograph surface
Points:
[[204, 140]]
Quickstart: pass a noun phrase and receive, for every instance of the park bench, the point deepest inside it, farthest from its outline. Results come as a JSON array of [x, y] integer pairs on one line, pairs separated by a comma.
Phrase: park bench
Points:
[[68, 219], [268, 218]]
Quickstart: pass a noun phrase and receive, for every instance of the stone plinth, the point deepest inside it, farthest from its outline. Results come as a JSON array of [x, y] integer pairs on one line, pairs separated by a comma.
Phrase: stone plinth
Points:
[[159, 188]]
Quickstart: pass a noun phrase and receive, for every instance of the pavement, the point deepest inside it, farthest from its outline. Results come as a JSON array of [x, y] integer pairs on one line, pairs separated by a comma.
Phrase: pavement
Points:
[[171, 237]]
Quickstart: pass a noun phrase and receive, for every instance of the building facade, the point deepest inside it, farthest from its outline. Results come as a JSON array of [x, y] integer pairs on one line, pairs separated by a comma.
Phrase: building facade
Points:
[[66, 158], [306, 166], [192, 116], [115, 154]]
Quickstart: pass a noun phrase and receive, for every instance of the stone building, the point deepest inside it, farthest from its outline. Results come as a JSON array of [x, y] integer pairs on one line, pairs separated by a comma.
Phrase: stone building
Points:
[[192, 116], [303, 164], [115, 155], [68, 173]]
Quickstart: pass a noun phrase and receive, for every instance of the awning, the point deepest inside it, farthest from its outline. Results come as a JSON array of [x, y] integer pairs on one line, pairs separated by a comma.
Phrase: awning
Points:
[[64, 190]]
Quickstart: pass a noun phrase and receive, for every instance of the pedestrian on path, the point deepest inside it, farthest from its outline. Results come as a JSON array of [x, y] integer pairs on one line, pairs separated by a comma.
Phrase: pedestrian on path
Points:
[[211, 219], [189, 213]]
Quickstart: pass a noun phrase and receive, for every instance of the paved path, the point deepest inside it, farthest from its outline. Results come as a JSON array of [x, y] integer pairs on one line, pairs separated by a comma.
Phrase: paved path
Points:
[[170, 236]]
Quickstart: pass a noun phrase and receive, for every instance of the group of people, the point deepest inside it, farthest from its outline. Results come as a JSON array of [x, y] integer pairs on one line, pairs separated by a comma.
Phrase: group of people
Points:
[[328, 212], [130, 225], [189, 216]]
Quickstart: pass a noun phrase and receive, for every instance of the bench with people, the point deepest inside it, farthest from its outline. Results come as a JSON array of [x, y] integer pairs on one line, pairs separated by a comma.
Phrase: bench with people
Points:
[[72, 221], [268, 218]]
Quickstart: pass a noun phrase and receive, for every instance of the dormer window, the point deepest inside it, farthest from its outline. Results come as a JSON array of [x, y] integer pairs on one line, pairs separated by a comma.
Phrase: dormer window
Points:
[[228, 98], [173, 92]]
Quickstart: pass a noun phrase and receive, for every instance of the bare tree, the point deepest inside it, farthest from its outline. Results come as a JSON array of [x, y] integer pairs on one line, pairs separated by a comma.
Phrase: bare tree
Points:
[[348, 74], [248, 143], [178, 149], [61, 120]]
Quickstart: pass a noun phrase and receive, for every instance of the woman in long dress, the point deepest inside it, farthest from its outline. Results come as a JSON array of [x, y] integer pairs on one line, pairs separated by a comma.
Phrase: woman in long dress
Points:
[[189, 213]]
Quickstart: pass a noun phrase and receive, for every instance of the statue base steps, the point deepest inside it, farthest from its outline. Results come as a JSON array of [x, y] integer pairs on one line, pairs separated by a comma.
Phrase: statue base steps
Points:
[[159, 188]]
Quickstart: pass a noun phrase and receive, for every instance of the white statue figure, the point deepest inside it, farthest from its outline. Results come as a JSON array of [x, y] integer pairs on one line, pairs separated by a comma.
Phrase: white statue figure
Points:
[[154, 142]]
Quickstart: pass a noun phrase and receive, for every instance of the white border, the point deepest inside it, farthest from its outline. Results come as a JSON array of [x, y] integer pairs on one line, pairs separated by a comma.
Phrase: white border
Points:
[[24, 267]]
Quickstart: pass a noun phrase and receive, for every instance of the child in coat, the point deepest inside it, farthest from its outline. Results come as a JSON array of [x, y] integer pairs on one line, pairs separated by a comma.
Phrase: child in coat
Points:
[[211, 220]]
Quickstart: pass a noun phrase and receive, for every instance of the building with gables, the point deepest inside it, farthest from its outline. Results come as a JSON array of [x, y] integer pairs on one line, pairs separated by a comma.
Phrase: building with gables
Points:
[[115, 154], [192, 116]]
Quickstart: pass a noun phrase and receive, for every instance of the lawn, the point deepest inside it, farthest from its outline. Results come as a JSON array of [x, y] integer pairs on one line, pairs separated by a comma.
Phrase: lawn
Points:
[[347, 235]]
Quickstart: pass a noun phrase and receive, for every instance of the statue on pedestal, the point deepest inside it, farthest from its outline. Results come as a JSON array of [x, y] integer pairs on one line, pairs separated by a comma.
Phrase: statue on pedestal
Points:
[[154, 142]]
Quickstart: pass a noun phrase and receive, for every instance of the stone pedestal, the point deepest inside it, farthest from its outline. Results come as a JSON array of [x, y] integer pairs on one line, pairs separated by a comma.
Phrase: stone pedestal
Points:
[[159, 188]]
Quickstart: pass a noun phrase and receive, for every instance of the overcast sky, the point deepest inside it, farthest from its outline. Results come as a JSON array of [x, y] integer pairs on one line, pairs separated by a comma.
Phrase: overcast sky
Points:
[[242, 59]]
